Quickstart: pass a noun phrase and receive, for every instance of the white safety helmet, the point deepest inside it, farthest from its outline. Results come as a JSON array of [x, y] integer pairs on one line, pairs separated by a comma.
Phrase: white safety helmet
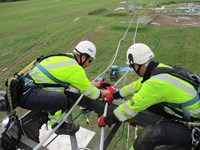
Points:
[[86, 47], [139, 54]]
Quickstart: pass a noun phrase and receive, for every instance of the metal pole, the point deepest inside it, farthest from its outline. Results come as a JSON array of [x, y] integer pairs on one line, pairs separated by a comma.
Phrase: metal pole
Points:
[[73, 140], [103, 128], [105, 114], [66, 116]]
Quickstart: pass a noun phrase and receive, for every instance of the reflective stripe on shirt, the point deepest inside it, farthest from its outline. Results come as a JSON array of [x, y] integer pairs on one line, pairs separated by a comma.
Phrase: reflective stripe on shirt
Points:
[[177, 83], [96, 95], [130, 90], [195, 112], [124, 107], [90, 91], [53, 66]]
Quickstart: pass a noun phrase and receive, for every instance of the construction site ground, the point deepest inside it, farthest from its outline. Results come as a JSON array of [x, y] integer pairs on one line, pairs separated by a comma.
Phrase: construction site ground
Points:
[[176, 21]]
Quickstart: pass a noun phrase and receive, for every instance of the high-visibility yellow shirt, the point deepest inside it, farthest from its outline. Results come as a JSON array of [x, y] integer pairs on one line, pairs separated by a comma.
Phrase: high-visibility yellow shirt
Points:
[[157, 89], [67, 70]]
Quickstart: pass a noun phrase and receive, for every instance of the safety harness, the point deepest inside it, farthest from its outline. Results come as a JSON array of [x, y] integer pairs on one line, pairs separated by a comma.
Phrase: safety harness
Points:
[[182, 73], [194, 80], [49, 75], [29, 82], [17, 84], [13, 87]]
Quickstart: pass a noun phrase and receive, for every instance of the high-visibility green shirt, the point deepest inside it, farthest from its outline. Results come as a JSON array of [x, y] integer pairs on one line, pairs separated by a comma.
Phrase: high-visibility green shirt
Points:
[[67, 70], [157, 89]]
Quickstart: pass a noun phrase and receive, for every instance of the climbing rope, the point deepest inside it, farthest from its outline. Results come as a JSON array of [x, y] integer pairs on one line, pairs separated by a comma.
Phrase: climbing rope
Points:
[[106, 105], [135, 33], [110, 64], [116, 52]]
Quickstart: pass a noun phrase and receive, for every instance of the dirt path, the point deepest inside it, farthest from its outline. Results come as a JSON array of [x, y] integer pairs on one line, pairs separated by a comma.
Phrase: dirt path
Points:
[[177, 21]]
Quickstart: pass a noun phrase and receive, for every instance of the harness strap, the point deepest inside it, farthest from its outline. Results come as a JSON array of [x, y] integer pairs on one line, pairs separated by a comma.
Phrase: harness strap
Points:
[[50, 76], [184, 75], [195, 136], [186, 113], [194, 100]]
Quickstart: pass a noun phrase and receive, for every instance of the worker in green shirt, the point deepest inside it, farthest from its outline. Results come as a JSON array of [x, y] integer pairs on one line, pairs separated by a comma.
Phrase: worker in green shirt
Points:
[[42, 89], [160, 85]]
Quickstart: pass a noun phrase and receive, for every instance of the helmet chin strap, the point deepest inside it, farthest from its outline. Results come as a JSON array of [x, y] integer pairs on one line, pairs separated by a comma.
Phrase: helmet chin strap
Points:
[[131, 62], [138, 70], [81, 63]]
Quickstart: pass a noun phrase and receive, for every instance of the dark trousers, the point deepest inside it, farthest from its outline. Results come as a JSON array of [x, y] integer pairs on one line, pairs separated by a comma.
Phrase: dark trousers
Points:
[[164, 133], [52, 101], [92, 105], [38, 99], [167, 132]]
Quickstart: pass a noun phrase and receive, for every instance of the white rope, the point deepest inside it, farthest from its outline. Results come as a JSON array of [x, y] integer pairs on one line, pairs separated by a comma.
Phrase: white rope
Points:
[[110, 64], [128, 136], [114, 57], [116, 52], [106, 105], [136, 128], [134, 37]]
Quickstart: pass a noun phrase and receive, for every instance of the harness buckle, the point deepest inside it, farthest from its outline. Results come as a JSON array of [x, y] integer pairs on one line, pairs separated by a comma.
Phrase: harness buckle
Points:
[[28, 82], [195, 136]]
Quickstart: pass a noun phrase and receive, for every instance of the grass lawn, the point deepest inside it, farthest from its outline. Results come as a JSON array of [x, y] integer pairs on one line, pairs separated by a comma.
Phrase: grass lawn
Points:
[[32, 28]]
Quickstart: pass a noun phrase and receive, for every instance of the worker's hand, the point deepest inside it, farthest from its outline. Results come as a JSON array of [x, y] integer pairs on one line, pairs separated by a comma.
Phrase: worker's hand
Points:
[[104, 84], [101, 122], [108, 99], [132, 122], [111, 89]]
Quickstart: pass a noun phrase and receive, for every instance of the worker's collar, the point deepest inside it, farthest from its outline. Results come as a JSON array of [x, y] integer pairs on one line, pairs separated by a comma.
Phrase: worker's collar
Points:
[[150, 67]]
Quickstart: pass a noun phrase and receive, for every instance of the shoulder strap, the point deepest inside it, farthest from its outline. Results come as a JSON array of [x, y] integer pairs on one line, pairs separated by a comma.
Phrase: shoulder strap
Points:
[[180, 73], [41, 68]]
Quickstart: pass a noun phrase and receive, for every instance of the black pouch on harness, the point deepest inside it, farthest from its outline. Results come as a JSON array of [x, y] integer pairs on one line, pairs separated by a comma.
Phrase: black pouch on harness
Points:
[[7, 141]]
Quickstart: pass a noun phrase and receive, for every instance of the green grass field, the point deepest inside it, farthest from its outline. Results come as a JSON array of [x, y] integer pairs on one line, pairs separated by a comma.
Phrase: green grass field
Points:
[[32, 28]]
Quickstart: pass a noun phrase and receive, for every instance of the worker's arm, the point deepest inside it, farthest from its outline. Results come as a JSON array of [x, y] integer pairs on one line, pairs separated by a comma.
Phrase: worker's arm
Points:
[[101, 84], [109, 90]]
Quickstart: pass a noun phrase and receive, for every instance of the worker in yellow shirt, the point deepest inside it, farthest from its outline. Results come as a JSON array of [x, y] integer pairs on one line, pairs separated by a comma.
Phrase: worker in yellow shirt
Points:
[[172, 87], [46, 82]]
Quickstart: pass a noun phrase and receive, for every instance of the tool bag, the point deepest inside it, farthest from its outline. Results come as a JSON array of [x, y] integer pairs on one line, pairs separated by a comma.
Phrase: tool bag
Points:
[[13, 87], [7, 141]]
